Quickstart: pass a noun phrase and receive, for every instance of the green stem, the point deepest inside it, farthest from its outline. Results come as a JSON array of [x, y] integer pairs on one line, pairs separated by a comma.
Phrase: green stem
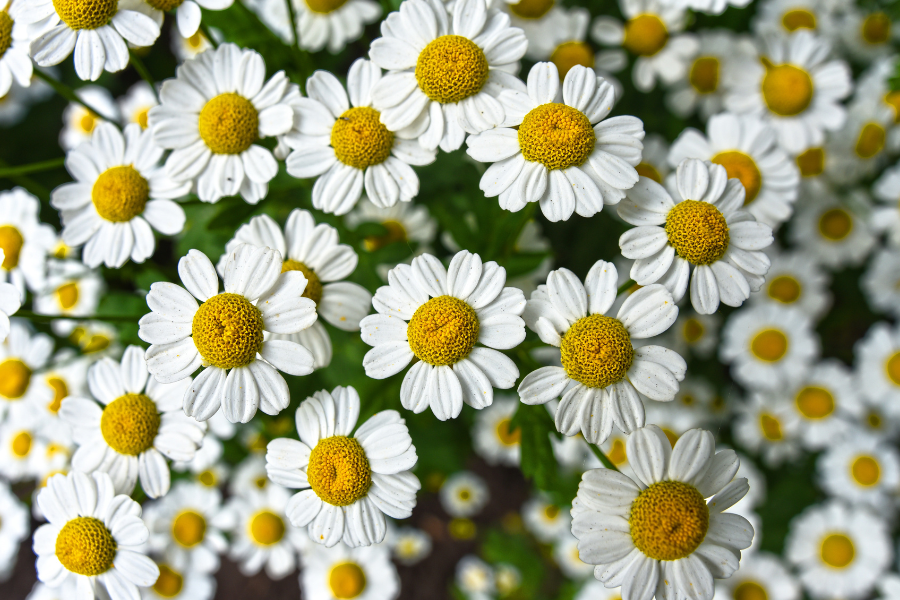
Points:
[[141, 68], [27, 314], [26, 182], [47, 165], [204, 28], [603, 458], [67, 93], [625, 287]]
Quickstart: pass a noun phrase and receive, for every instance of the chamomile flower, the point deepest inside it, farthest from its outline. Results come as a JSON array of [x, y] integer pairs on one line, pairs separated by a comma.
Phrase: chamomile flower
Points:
[[545, 23], [464, 494], [139, 425], [174, 584], [16, 527], [94, 30], [15, 41], [601, 389], [93, 538], [475, 578], [404, 223], [183, 530], [79, 122], [187, 12], [312, 249], [342, 572], [347, 482], [25, 241], [494, 437], [867, 35], [795, 279], [438, 315], [768, 427], [787, 16], [545, 519], [566, 154], [615, 517], [823, 403], [96, 339], [211, 116], [836, 232], [249, 474], [694, 334], [446, 69], [881, 282], [748, 149], [860, 148], [22, 354], [873, 88], [72, 290], [332, 23], [840, 552], [704, 228], [862, 470], [135, 105], [23, 452], [10, 302], [185, 48], [885, 216], [795, 87], [408, 545], [654, 158], [878, 366], [226, 334], [761, 575], [565, 554]]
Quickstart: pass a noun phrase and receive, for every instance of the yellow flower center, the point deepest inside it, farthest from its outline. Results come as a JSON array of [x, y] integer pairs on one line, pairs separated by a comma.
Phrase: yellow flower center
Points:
[[208, 478], [165, 5], [798, 18], [769, 345], [770, 427], [531, 9], [870, 141], [86, 122], [229, 124], [874, 420], [6, 25], [60, 392], [228, 331], [892, 366], [557, 136], [21, 444], [749, 590], [261, 482], [570, 54], [188, 528], [687, 400], [815, 402], [892, 99], [120, 194], [811, 162], [741, 166], [692, 330], [338, 470], [596, 351], [86, 547], [786, 89], [785, 289], [85, 14], [396, 232], [647, 170], [508, 435], [704, 76], [360, 139], [11, 242], [346, 580], [266, 528], [551, 511], [697, 231], [617, 454], [668, 520], [645, 35], [196, 40], [67, 295], [324, 7], [835, 224], [837, 551], [141, 116], [130, 423], [169, 584], [313, 289], [14, 378], [865, 471], [443, 331], [876, 29], [451, 68]]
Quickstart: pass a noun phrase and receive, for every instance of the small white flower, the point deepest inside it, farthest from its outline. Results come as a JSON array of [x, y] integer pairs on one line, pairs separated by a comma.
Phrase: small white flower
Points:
[[72, 290], [796, 279], [762, 575], [866, 36], [835, 231], [15, 62], [21, 354], [332, 23], [408, 545], [769, 427], [135, 105], [187, 12], [545, 519], [862, 470], [823, 402], [342, 572], [79, 122], [25, 241], [464, 494], [175, 584], [494, 437]]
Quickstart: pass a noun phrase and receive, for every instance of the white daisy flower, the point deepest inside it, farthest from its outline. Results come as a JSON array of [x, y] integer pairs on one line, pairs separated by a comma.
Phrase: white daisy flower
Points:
[[187, 12], [862, 470], [796, 279], [702, 227], [139, 425], [601, 389], [23, 451], [769, 347], [878, 367], [624, 526], [403, 222], [10, 302], [332, 23], [860, 148], [16, 527], [795, 87], [823, 404], [787, 16], [96, 339], [185, 48], [873, 88], [697, 404], [71, 290], [464, 494], [437, 315], [408, 545], [654, 158], [545, 519], [79, 122], [446, 69], [493, 436], [762, 575], [544, 23], [614, 449], [94, 538], [592, 589], [768, 427], [881, 282], [249, 474], [866, 36], [694, 333], [566, 154], [748, 149], [835, 231], [175, 584], [885, 216], [25, 241], [21, 354], [840, 552], [15, 42], [135, 105], [565, 554], [227, 333], [342, 572], [65, 376], [93, 30], [211, 116], [475, 578]]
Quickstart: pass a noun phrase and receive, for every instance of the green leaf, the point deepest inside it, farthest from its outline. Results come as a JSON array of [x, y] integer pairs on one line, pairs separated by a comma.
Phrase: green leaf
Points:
[[538, 462]]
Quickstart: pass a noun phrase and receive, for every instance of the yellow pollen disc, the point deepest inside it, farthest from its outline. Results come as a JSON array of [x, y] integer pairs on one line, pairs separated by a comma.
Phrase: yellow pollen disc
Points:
[[195, 41], [261, 482], [188, 528], [876, 29], [165, 5], [692, 330], [360, 139], [346, 580], [749, 590], [551, 511], [14, 378], [570, 54], [169, 584], [874, 420], [507, 435], [647, 170], [120, 194], [21, 444], [11, 242], [443, 331], [865, 471], [86, 547], [837, 551], [835, 224], [892, 99], [815, 402], [141, 116], [67, 295], [870, 141], [812, 162], [741, 166], [786, 89], [596, 351], [462, 529], [687, 400], [785, 289], [451, 68], [892, 366], [6, 25], [60, 392], [228, 331], [338, 470], [769, 345], [97, 343], [229, 124], [668, 520], [130, 423], [799, 18], [617, 454], [86, 122], [266, 528], [771, 427], [85, 14], [313, 289], [208, 478], [704, 76], [697, 231], [645, 35], [396, 232], [557, 136], [531, 9], [323, 7]]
